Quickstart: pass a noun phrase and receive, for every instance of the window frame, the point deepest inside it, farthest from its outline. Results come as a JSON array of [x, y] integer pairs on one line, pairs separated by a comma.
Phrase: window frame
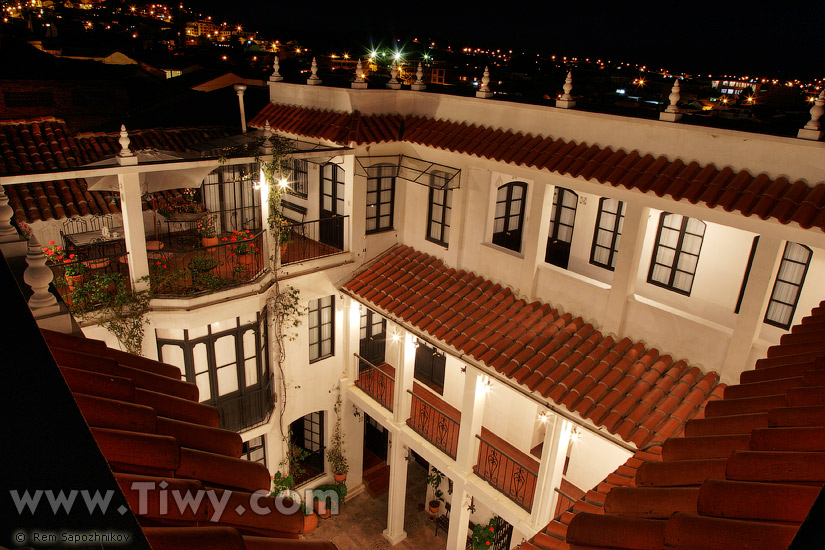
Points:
[[382, 183], [315, 315], [678, 252], [500, 238], [615, 234], [436, 365], [299, 178], [798, 285], [252, 445], [442, 225]]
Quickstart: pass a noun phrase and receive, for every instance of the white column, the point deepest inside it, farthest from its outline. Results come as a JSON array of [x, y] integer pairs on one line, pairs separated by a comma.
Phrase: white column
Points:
[[352, 311], [553, 454], [240, 89], [459, 516], [404, 368], [398, 490], [8, 233], [351, 228], [752, 310], [38, 276], [132, 210], [626, 270], [535, 238]]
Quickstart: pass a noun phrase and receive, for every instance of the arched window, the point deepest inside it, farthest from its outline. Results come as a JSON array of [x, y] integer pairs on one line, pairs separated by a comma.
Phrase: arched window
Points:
[[788, 285], [562, 220], [676, 253], [606, 236], [509, 216]]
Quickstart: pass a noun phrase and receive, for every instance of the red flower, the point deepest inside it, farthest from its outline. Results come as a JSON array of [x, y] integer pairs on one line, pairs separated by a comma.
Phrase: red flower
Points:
[[488, 542], [51, 242], [492, 529]]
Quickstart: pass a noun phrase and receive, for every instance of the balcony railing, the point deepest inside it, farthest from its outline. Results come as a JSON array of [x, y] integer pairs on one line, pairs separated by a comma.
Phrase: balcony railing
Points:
[[505, 472], [246, 409], [375, 382], [434, 425], [315, 239], [183, 267]]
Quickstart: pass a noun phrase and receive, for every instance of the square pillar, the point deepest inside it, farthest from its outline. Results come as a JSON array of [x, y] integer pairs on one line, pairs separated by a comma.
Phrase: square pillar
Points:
[[551, 468], [404, 372], [628, 258], [459, 517], [472, 413], [398, 490], [134, 232]]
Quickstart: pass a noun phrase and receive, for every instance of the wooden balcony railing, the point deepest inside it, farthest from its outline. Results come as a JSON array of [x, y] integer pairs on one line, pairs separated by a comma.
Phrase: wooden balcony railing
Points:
[[514, 476], [434, 424], [376, 381]]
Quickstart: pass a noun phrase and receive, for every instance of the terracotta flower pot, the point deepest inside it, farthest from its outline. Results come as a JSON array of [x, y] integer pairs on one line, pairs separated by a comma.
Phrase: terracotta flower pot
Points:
[[434, 506], [339, 478], [322, 509], [74, 281], [209, 241], [246, 260], [310, 523]]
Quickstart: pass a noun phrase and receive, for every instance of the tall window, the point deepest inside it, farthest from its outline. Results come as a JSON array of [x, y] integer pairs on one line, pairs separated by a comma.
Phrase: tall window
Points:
[[380, 198], [608, 230], [308, 434], [562, 220], [228, 362], [321, 328], [438, 213], [255, 449], [788, 285], [676, 253], [429, 366], [509, 216], [298, 178]]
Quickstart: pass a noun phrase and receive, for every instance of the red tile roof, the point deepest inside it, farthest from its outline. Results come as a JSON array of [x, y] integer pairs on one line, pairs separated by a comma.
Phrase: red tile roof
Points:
[[744, 476], [740, 191], [151, 428], [632, 391], [45, 144]]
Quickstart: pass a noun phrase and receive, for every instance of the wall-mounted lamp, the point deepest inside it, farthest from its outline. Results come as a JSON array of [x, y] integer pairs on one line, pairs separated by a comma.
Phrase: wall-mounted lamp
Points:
[[395, 336], [356, 413], [575, 435], [544, 416], [486, 385], [410, 457], [283, 183], [415, 341]]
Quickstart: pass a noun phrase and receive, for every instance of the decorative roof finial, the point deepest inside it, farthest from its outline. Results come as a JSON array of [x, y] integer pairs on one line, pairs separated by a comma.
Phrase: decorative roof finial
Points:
[[359, 81], [124, 142], [276, 74], [672, 113], [419, 85], [484, 91], [566, 99], [314, 80], [394, 84], [813, 129]]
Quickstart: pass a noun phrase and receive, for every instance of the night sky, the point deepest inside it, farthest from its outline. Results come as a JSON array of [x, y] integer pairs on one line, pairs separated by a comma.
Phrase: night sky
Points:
[[781, 40]]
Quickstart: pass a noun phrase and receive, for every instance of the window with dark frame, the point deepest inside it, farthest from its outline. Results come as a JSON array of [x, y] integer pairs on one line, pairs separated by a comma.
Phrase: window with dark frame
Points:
[[562, 221], [299, 178], [254, 450], [509, 215], [307, 433], [380, 198], [429, 366], [321, 328], [230, 367], [438, 211], [788, 285], [608, 231], [676, 253]]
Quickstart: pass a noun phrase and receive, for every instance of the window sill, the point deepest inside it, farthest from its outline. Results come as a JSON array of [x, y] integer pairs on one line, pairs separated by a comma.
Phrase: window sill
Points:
[[378, 231], [497, 248]]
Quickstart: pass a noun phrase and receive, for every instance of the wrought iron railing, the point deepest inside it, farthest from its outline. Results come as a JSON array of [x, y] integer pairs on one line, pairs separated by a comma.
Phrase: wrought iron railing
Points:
[[376, 383], [246, 409], [315, 239], [506, 473], [184, 267], [434, 425]]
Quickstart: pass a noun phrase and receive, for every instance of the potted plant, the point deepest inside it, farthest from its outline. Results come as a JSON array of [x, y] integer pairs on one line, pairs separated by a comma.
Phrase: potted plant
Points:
[[184, 209], [434, 478], [74, 270], [206, 228], [241, 245], [484, 535], [335, 452]]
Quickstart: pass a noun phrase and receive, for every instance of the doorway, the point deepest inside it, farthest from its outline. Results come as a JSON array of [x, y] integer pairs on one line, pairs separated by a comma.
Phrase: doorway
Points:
[[331, 231]]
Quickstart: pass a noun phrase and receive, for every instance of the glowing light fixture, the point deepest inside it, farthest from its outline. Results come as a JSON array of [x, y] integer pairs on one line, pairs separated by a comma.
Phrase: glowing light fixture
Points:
[[544, 416], [575, 435], [486, 385], [395, 337], [283, 183]]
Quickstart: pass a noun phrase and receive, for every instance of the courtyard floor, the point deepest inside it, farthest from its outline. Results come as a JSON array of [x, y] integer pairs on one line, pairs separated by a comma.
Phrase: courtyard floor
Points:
[[361, 521]]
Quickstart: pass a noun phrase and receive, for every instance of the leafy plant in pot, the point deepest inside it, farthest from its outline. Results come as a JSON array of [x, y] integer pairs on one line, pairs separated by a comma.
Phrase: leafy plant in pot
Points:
[[335, 452], [484, 535], [434, 478]]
